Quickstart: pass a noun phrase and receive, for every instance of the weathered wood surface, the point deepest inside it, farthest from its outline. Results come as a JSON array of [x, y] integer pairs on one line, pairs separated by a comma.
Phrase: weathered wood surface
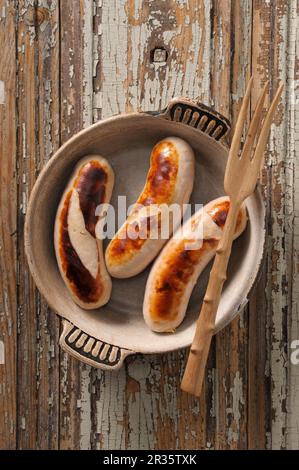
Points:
[[66, 64]]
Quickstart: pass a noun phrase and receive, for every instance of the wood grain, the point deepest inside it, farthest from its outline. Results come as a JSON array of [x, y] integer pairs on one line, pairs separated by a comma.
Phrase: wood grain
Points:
[[76, 112], [230, 72], [38, 137], [271, 61], [8, 234], [27, 159], [291, 220], [67, 64]]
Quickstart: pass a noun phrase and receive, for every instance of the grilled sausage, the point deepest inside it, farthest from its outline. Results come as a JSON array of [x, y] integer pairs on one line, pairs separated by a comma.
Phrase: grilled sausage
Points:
[[79, 252], [176, 270], [169, 181]]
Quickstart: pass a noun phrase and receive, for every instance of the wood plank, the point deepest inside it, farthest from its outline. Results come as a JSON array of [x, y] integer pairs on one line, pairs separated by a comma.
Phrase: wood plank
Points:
[[8, 236], [292, 214], [38, 138], [240, 74], [270, 61], [76, 112], [230, 71], [27, 170], [278, 273], [220, 87], [259, 387], [48, 142]]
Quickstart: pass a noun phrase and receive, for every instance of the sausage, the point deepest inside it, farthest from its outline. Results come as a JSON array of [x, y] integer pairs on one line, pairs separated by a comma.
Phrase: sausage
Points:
[[176, 270], [78, 251], [169, 181]]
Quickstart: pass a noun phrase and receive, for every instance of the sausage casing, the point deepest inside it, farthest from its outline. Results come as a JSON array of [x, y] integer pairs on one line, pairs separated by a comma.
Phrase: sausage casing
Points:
[[79, 252], [176, 270], [169, 181]]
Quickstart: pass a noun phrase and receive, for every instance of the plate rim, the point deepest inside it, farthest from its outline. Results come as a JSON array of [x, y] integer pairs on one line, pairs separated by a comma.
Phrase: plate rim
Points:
[[59, 153]]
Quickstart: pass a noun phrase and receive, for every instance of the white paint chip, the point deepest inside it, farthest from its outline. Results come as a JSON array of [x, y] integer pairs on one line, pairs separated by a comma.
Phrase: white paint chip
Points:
[[23, 423], [2, 354], [2, 92]]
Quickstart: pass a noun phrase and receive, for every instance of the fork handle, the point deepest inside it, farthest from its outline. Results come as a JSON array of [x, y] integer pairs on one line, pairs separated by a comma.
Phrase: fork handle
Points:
[[199, 351]]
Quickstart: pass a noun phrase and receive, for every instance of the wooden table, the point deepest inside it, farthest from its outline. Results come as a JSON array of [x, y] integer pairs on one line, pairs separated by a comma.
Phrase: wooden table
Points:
[[68, 63]]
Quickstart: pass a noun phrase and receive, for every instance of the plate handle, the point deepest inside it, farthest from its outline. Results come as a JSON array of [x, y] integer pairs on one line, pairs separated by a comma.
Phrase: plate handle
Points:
[[90, 350], [197, 115]]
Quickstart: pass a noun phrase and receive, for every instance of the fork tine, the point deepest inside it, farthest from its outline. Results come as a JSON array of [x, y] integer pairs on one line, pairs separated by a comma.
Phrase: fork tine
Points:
[[255, 122], [263, 138], [236, 141]]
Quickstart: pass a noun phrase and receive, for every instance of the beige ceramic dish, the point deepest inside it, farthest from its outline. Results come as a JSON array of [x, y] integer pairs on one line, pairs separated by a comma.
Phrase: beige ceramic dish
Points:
[[103, 338]]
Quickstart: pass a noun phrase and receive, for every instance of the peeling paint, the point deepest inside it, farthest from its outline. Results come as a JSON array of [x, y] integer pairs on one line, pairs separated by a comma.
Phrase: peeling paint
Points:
[[84, 405], [2, 353], [87, 62], [292, 218], [278, 301], [2, 92], [114, 54]]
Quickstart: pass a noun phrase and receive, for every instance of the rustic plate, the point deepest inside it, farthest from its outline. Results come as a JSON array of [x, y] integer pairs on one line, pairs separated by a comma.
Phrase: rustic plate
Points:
[[104, 337]]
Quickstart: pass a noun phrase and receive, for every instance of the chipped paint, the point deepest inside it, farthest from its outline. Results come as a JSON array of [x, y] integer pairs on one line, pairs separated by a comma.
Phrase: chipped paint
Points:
[[48, 122], [87, 62], [278, 269], [110, 409], [292, 219], [114, 56], [23, 423], [2, 92], [238, 401], [2, 353], [84, 405]]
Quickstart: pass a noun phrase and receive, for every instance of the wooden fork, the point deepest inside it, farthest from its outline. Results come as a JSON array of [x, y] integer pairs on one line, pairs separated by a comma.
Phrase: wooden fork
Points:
[[240, 179]]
